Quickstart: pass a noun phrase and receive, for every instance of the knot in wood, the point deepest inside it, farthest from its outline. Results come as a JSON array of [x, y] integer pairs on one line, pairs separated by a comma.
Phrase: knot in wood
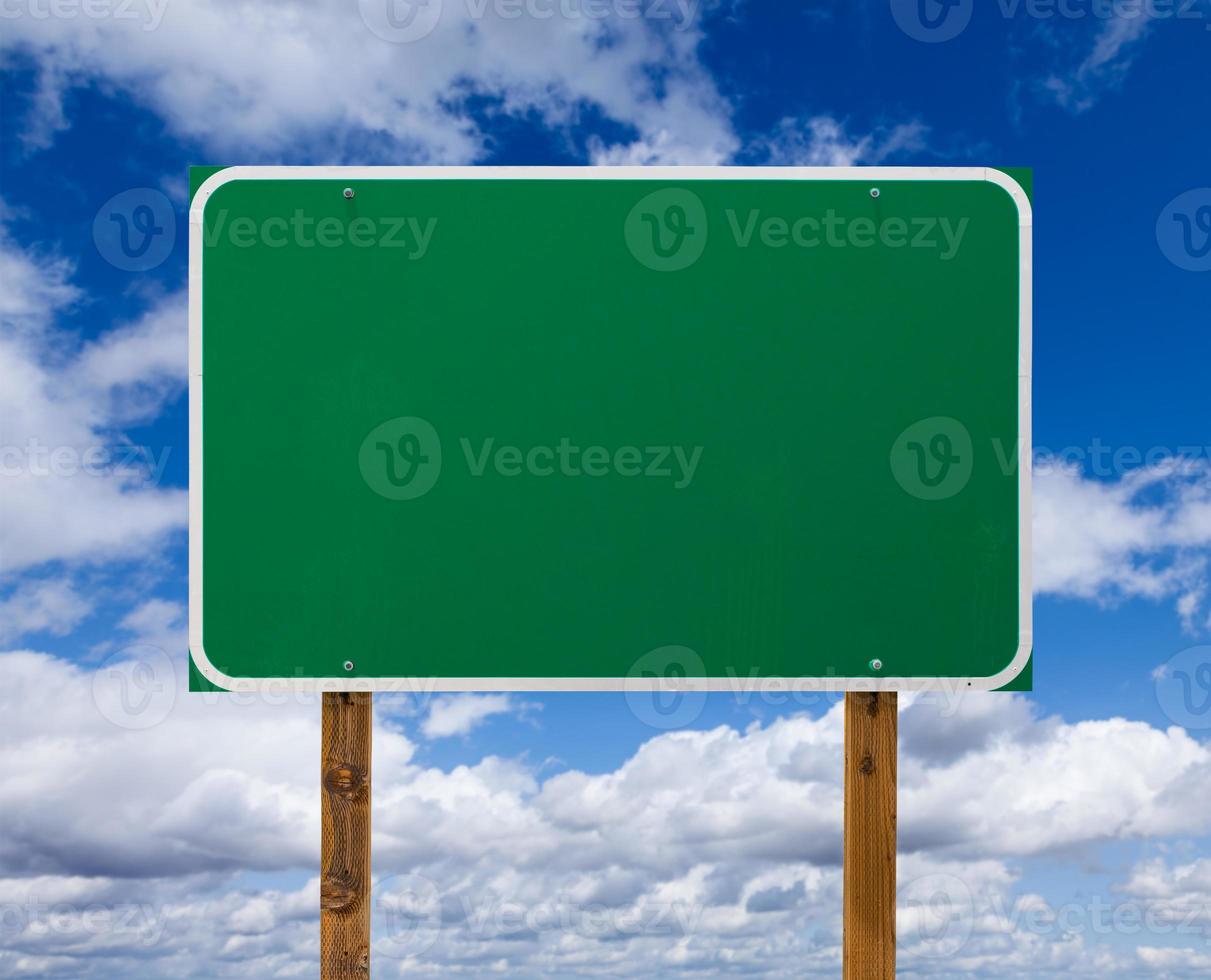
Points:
[[345, 780], [867, 765], [337, 892]]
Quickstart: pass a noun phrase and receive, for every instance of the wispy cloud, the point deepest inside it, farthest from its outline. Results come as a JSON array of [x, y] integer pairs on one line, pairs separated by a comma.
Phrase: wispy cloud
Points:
[[460, 714], [823, 141], [1106, 62], [1146, 534]]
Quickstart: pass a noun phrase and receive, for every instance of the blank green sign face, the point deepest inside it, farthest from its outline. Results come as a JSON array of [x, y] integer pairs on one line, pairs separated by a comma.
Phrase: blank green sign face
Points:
[[594, 429]]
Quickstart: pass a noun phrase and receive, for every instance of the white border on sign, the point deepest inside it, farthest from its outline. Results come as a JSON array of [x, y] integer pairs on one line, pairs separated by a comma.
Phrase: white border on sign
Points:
[[681, 684]]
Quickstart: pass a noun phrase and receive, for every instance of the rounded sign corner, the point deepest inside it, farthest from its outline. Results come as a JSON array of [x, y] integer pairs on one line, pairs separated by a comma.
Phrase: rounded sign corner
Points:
[[1010, 185]]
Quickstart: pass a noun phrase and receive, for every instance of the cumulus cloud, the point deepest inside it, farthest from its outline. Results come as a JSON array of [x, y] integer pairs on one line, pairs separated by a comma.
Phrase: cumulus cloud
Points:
[[459, 714], [75, 489], [706, 853], [158, 623], [1177, 894], [346, 81], [42, 605], [1144, 535]]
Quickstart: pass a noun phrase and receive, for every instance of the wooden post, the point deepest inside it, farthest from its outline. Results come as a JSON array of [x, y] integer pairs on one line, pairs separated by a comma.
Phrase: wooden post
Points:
[[869, 946], [345, 837]]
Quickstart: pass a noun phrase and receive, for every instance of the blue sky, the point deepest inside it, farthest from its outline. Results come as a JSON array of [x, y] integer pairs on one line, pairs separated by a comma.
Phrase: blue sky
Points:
[[1086, 787]]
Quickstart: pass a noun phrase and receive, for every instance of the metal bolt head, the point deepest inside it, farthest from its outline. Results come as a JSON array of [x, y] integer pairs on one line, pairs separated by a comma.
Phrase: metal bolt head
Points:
[[874, 192], [348, 192], [348, 665], [876, 664]]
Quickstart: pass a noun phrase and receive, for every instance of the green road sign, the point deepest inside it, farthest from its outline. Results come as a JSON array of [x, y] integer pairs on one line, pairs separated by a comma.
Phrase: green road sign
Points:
[[609, 429]]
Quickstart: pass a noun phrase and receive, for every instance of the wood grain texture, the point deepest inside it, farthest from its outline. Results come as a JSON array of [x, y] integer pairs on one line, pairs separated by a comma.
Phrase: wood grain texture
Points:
[[869, 948], [345, 837]]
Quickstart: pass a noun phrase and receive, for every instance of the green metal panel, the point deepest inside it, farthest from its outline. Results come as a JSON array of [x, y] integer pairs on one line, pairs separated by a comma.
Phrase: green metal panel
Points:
[[531, 428]]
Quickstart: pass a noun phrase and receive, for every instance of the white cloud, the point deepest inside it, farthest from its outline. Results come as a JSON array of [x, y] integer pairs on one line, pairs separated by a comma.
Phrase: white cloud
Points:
[[822, 141], [74, 489], [32, 287], [254, 79], [158, 623], [1107, 61], [706, 853], [1177, 896], [132, 370], [1168, 961], [42, 605], [1145, 534], [459, 714]]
